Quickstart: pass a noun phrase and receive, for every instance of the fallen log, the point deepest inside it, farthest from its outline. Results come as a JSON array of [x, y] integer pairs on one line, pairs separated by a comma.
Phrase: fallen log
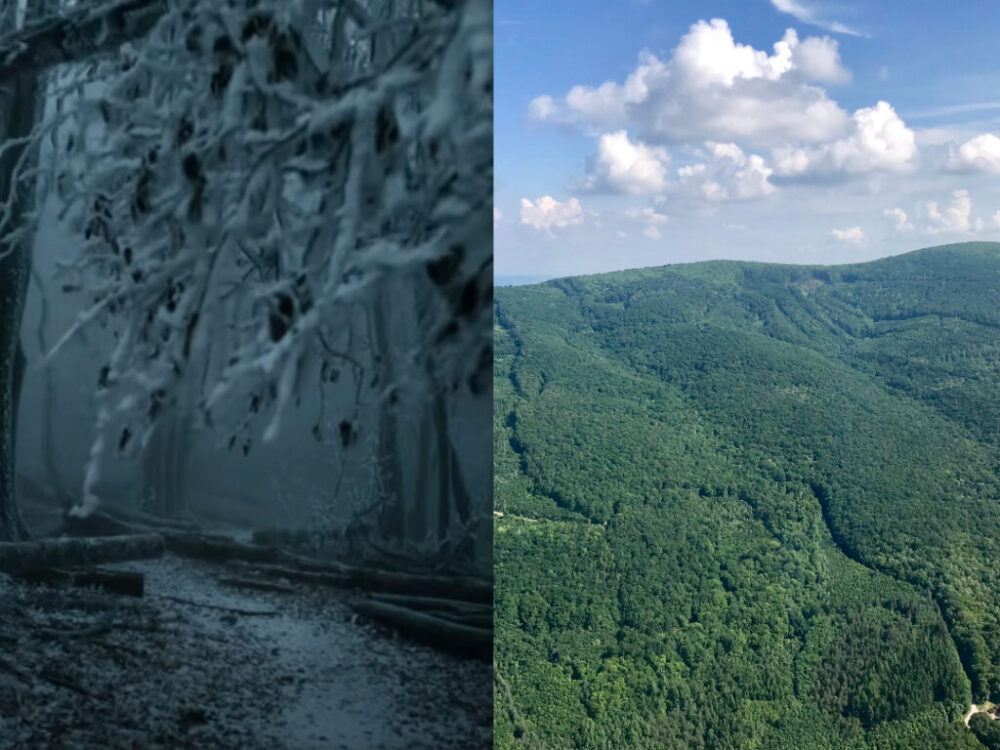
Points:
[[460, 588], [123, 582], [389, 582], [59, 553], [466, 613], [438, 633], [250, 583], [277, 562], [433, 603], [137, 518], [484, 621]]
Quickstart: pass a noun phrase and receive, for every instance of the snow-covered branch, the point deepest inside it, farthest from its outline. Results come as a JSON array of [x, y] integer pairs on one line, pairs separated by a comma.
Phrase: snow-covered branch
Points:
[[249, 143]]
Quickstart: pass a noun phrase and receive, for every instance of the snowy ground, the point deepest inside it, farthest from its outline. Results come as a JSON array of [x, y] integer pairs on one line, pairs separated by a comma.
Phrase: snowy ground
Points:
[[287, 671]]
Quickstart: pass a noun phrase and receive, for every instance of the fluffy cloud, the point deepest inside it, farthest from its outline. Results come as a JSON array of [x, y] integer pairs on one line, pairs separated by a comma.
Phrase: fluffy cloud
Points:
[[879, 141], [898, 218], [547, 213], [811, 16], [724, 173], [952, 218], [497, 216], [716, 88], [851, 235], [979, 154], [728, 174], [818, 59], [620, 165]]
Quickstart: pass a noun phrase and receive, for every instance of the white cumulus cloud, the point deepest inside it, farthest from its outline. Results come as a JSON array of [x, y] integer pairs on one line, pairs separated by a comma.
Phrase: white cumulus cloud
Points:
[[621, 165], [851, 235], [727, 174], [979, 154], [547, 213], [879, 141], [715, 88], [818, 59]]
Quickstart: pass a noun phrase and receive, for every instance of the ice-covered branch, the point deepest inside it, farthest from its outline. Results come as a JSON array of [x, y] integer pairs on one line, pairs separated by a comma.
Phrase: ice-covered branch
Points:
[[77, 35], [231, 144]]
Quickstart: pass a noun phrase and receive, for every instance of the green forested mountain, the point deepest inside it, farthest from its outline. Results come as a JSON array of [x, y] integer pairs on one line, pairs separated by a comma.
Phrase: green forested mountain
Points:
[[750, 506]]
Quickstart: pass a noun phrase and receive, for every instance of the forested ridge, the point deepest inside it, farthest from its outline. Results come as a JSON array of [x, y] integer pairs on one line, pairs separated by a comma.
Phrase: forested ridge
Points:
[[745, 505]]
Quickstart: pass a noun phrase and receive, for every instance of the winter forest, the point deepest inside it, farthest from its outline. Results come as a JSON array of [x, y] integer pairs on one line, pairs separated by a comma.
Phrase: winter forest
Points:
[[246, 272]]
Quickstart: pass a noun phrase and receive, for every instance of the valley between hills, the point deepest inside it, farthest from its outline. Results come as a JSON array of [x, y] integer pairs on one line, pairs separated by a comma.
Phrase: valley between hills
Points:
[[747, 505]]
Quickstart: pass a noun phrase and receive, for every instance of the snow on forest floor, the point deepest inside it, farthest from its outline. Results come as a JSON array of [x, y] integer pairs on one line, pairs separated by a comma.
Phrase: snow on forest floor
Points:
[[82, 670]]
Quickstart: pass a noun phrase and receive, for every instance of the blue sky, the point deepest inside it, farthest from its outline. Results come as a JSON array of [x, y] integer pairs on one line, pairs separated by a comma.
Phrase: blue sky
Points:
[[634, 133]]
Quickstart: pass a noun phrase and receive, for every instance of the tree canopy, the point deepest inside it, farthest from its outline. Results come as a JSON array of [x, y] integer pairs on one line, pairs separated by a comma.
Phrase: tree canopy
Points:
[[749, 505]]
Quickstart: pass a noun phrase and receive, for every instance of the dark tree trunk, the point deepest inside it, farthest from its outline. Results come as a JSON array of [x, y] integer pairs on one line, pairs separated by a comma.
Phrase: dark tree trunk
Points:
[[17, 106], [79, 35]]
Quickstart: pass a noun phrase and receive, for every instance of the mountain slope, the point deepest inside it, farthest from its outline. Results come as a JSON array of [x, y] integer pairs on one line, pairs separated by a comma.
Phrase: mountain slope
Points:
[[749, 505]]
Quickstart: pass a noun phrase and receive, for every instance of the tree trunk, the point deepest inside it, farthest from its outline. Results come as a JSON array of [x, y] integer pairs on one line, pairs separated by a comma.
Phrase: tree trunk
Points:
[[25, 60], [17, 117]]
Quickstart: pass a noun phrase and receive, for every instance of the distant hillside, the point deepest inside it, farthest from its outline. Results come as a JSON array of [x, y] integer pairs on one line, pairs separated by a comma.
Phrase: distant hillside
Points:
[[519, 280], [750, 505]]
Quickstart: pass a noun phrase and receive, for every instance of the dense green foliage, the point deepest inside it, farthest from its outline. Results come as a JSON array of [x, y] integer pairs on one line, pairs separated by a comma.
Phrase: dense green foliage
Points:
[[749, 505], [987, 730]]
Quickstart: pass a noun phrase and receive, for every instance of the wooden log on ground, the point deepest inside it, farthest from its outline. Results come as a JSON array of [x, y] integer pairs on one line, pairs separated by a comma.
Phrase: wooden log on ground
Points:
[[123, 582], [251, 583], [464, 613], [294, 567], [462, 640], [432, 603], [476, 621], [138, 518], [462, 588], [389, 582], [61, 553]]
